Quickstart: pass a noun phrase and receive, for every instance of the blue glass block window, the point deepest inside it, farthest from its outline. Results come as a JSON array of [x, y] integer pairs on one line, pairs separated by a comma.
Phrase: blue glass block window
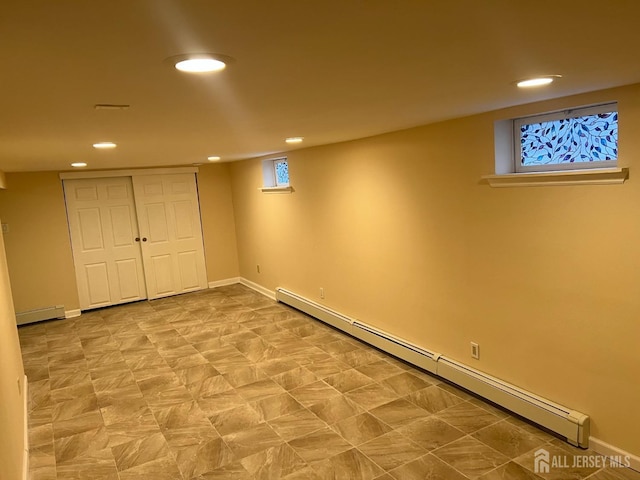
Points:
[[282, 172], [580, 138]]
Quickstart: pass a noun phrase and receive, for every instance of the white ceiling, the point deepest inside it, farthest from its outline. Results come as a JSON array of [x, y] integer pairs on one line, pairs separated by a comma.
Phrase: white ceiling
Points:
[[328, 70]]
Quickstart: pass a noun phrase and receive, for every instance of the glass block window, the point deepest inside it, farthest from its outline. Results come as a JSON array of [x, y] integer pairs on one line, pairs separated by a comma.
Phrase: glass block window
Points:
[[282, 172], [573, 139]]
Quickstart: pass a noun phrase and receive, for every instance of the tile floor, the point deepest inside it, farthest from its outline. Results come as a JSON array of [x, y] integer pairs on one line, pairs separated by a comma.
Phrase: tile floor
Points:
[[227, 384]]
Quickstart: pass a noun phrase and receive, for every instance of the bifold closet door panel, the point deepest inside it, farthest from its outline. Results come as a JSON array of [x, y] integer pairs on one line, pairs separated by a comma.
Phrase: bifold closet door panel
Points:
[[104, 229], [171, 232]]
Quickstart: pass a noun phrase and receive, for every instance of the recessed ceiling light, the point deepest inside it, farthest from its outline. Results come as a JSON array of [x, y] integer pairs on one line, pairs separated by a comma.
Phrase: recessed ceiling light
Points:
[[213, 158], [200, 63], [294, 139], [104, 145], [537, 82], [78, 164]]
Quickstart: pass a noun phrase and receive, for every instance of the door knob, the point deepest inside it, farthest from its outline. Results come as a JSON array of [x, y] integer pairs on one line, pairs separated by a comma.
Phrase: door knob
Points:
[[137, 239], [144, 239]]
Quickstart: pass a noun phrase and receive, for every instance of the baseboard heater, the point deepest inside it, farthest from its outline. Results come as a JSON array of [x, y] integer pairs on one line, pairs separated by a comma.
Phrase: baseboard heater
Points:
[[572, 425], [40, 314]]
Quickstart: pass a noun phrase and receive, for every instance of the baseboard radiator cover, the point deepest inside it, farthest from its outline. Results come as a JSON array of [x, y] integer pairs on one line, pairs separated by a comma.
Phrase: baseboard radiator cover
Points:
[[571, 424], [40, 314], [314, 309], [395, 346]]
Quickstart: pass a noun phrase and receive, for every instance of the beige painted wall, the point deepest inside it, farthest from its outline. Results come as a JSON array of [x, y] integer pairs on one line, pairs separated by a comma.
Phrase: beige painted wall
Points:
[[38, 244], [218, 223], [11, 372], [39, 249], [401, 233]]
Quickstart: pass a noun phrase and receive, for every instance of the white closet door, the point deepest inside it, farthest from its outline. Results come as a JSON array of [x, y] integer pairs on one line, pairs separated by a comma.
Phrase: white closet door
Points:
[[169, 219], [104, 229]]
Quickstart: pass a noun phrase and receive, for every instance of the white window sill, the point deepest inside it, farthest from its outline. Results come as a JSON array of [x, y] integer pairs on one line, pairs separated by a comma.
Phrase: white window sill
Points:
[[596, 176], [287, 189]]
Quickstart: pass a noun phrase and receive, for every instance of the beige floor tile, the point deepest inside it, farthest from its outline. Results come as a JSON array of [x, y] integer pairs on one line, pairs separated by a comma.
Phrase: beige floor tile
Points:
[[314, 393], [470, 457], [47, 473], [616, 473], [391, 450], [97, 464], [510, 471], [352, 465], [203, 457], [348, 380], [320, 445], [360, 428], [296, 424], [335, 409], [433, 399], [177, 416], [398, 413], [275, 462], [371, 396], [72, 446], [230, 471], [405, 383], [327, 366], [431, 433], [78, 424], [427, 467], [468, 417], [219, 402], [566, 465], [295, 378], [236, 419], [244, 375], [276, 406], [357, 358], [508, 439], [124, 410], [140, 451], [259, 390], [252, 440], [164, 468]]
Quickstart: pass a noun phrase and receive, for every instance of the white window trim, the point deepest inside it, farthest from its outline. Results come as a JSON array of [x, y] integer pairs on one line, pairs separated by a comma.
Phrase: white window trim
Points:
[[506, 176], [545, 117], [286, 189], [269, 177], [585, 176]]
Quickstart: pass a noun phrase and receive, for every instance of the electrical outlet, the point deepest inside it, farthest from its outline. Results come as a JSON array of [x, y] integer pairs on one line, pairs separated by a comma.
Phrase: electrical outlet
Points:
[[258, 268], [475, 350], [321, 292]]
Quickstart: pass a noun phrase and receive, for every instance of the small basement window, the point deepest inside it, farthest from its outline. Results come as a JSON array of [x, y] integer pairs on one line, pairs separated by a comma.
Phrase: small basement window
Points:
[[568, 147], [568, 140], [275, 174]]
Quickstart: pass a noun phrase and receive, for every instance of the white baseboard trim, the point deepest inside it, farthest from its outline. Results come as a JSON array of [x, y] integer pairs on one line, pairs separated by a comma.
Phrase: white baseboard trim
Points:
[[25, 458], [615, 453], [224, 282], [39, 314], [258, 288], [72, 313]]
